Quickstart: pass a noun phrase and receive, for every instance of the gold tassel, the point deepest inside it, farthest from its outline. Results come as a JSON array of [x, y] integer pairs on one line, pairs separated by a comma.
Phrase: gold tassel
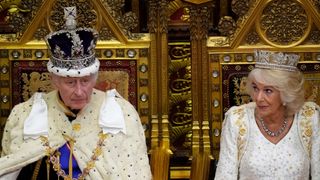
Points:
[[58, 157], [48, 168], [70, 159], [70, 142], [36, 170]]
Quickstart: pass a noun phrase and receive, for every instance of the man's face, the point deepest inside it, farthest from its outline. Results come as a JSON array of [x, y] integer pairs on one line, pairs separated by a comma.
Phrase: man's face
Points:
[[75, 92]]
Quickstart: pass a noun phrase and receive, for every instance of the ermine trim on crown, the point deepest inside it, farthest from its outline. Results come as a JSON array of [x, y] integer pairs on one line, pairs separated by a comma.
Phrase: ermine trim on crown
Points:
[[72, 49]]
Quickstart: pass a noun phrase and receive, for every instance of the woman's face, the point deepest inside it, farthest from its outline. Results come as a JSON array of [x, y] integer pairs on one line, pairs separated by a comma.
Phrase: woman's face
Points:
[[75, 92], [267, 98]]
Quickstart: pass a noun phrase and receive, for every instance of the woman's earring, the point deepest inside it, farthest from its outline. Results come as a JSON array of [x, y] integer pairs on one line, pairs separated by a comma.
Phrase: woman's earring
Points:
[[284, 104]]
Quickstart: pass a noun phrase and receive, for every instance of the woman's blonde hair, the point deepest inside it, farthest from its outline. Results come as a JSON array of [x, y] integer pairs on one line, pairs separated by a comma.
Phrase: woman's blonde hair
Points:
[[290, 84]]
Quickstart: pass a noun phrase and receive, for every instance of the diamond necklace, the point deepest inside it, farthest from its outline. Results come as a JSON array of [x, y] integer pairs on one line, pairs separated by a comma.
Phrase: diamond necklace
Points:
[[273, 133]]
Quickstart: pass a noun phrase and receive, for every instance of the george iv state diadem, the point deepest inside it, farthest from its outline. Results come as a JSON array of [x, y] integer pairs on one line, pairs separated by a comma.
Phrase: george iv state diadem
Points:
[[276, 60], [72, 49]]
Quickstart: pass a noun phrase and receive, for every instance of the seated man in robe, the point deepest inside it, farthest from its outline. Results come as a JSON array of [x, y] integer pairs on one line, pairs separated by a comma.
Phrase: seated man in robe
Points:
[[75, 131]]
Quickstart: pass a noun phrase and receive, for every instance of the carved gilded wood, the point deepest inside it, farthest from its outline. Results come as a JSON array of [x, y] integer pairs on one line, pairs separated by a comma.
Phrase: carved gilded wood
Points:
[[160, 142], [264, 24], [183, 88], [201, 153], [120, 51]]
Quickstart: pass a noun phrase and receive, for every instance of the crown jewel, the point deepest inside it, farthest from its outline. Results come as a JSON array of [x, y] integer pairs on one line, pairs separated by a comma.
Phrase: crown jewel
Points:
[[72, 49], [276, 60]]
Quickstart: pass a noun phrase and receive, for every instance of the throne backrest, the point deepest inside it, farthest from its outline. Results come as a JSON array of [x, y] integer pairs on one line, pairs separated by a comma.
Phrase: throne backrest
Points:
[[32, 76], [235, 78]]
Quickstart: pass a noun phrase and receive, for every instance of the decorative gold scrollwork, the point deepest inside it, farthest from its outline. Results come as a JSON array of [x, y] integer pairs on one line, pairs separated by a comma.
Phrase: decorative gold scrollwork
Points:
[[284, 23], [35, 82], [240, 95], [180, 110]]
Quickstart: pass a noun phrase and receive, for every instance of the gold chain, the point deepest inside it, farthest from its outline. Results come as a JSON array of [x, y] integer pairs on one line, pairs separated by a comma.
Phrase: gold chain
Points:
[[55, 158]]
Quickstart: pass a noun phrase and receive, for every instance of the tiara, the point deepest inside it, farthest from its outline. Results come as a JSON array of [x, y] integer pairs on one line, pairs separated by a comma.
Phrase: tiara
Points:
[[276, 60], [72, 49]]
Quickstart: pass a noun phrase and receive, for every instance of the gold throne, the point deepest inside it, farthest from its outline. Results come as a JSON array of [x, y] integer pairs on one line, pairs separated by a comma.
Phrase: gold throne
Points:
[[180, 89]]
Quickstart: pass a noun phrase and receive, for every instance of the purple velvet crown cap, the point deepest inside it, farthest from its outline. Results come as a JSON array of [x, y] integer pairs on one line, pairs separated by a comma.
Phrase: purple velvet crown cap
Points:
[[72, 49]]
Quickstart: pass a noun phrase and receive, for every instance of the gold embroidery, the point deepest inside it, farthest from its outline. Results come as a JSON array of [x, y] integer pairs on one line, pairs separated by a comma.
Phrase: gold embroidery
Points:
[[306, 126], [308, 112], [241, 140], [308, 132], [242, 131], [305, 123]]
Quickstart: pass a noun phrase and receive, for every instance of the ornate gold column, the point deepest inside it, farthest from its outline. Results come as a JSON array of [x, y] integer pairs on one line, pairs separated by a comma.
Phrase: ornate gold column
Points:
[[160, 144], [201, 155], [5, 103]]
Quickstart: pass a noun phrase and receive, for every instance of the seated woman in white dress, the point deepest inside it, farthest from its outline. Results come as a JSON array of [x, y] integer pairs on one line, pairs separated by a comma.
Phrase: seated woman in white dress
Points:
[[277, 135]]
